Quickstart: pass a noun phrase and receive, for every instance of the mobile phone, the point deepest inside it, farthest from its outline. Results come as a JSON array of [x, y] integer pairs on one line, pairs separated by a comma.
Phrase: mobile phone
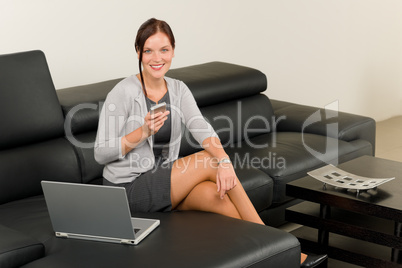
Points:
[[161, 107]]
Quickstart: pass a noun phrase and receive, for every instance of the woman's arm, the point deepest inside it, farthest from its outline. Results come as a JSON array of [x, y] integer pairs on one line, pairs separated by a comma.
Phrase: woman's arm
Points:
[[226, 178], [203, 132], [114, 111]]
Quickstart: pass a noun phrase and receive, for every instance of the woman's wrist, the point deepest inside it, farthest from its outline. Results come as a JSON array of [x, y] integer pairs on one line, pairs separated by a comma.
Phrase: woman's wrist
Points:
[[224, 160], [146, 133]]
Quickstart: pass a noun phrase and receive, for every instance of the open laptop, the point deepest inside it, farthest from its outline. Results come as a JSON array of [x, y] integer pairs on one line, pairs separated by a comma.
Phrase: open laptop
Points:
[[94, 212]]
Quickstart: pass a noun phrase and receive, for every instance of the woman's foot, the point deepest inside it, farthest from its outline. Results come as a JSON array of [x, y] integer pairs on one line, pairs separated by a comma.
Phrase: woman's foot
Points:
[[314, 260]]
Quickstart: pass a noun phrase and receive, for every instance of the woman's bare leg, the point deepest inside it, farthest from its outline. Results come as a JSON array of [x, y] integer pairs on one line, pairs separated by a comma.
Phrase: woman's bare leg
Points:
[[193, 187], [189, 172]]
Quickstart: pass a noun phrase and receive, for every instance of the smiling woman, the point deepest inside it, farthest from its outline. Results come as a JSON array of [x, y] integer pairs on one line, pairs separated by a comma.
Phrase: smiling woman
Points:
[[207, 182], [140, 149]]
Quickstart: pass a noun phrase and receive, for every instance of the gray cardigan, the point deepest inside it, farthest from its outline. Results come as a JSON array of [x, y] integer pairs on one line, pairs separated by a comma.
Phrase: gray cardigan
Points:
[[124, 111]]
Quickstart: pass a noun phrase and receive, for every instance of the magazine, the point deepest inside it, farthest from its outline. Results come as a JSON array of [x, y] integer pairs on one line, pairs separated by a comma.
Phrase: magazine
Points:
[[337, 177]]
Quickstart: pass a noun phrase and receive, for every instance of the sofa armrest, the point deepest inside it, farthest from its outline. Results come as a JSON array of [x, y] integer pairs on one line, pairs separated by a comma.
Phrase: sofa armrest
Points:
[[294, 117], [17, 249]]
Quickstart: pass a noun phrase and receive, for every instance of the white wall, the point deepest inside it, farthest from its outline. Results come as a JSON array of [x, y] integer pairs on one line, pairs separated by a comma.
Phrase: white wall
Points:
[[314, 52]]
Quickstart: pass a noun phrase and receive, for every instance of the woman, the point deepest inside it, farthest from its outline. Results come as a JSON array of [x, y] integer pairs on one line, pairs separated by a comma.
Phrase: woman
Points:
[[140, 150]]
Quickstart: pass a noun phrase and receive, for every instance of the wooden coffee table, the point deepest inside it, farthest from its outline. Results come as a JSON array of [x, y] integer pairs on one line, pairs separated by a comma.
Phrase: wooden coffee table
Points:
[[362, 229]]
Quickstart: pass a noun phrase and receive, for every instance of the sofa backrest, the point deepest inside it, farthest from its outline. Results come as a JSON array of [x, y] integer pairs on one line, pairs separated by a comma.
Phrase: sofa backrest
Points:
[[29, 108], [81, 105], [234, 121], [216, 82], [32, 147]]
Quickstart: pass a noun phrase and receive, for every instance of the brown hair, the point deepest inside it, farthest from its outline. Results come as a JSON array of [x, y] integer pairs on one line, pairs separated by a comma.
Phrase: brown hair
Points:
[[147, 29]]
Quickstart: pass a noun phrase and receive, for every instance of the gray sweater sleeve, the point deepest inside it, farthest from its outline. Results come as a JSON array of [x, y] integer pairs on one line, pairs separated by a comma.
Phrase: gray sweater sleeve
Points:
[[110, 128]]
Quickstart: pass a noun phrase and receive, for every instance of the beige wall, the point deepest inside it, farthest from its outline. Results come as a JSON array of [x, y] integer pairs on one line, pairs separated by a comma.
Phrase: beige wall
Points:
[[314, 52]]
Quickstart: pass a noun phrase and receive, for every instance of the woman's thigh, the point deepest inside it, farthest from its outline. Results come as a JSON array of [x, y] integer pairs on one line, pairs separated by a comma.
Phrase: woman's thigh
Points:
[[189, 171]]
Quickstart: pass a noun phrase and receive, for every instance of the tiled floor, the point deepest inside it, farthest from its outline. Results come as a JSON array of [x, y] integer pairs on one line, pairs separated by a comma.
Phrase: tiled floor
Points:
[[388, 146]]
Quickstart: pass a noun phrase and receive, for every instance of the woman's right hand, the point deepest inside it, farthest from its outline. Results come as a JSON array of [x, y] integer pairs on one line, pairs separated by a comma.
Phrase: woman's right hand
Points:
[[154, 122]]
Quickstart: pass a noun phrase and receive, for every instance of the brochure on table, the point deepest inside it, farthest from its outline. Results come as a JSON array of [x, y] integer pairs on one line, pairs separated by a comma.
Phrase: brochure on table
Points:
[[337, 177]]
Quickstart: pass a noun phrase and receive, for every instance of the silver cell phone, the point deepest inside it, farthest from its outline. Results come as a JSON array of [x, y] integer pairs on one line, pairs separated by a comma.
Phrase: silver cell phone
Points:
[[161, 107]]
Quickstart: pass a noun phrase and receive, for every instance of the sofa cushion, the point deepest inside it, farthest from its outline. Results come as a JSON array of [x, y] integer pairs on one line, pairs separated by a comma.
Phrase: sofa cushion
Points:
[[257, 184], [28, 216], [250, 244], [17, 249], [23, 168], [29, 100], [91, 171], [286, 156], [182, 238]]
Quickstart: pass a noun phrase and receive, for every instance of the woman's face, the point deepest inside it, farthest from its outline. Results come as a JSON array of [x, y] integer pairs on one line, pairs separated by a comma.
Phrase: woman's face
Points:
[[157, 56]]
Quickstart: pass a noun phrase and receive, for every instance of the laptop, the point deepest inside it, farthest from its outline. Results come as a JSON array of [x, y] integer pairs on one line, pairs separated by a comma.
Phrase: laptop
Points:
[[94, 212]]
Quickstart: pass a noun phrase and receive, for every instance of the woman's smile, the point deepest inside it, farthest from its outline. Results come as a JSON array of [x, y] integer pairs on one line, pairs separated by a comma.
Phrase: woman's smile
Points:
[[157, 67]]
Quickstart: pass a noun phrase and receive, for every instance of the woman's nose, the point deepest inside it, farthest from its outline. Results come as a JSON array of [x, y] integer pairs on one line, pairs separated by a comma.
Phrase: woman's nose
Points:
[[157, 56]]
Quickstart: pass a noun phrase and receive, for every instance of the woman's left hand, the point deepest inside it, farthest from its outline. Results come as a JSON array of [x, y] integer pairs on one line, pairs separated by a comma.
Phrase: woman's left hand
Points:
[[226, 178]]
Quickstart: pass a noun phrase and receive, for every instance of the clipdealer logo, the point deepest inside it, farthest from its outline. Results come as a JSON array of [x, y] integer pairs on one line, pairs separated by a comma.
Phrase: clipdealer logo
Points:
[[236, 130], [330, 155]]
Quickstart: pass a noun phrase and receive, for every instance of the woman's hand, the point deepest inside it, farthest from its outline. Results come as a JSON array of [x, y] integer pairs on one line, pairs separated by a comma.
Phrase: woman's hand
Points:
[[226, 178], [152, 125], [154, 122]]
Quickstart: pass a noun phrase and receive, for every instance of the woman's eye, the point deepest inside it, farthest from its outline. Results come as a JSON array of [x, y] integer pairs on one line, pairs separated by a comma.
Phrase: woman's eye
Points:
[[147, 51], [165, 50]]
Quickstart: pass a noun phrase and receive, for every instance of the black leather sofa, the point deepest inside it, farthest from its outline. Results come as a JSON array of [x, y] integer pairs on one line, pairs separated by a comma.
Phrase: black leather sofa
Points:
[[48, 135]]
